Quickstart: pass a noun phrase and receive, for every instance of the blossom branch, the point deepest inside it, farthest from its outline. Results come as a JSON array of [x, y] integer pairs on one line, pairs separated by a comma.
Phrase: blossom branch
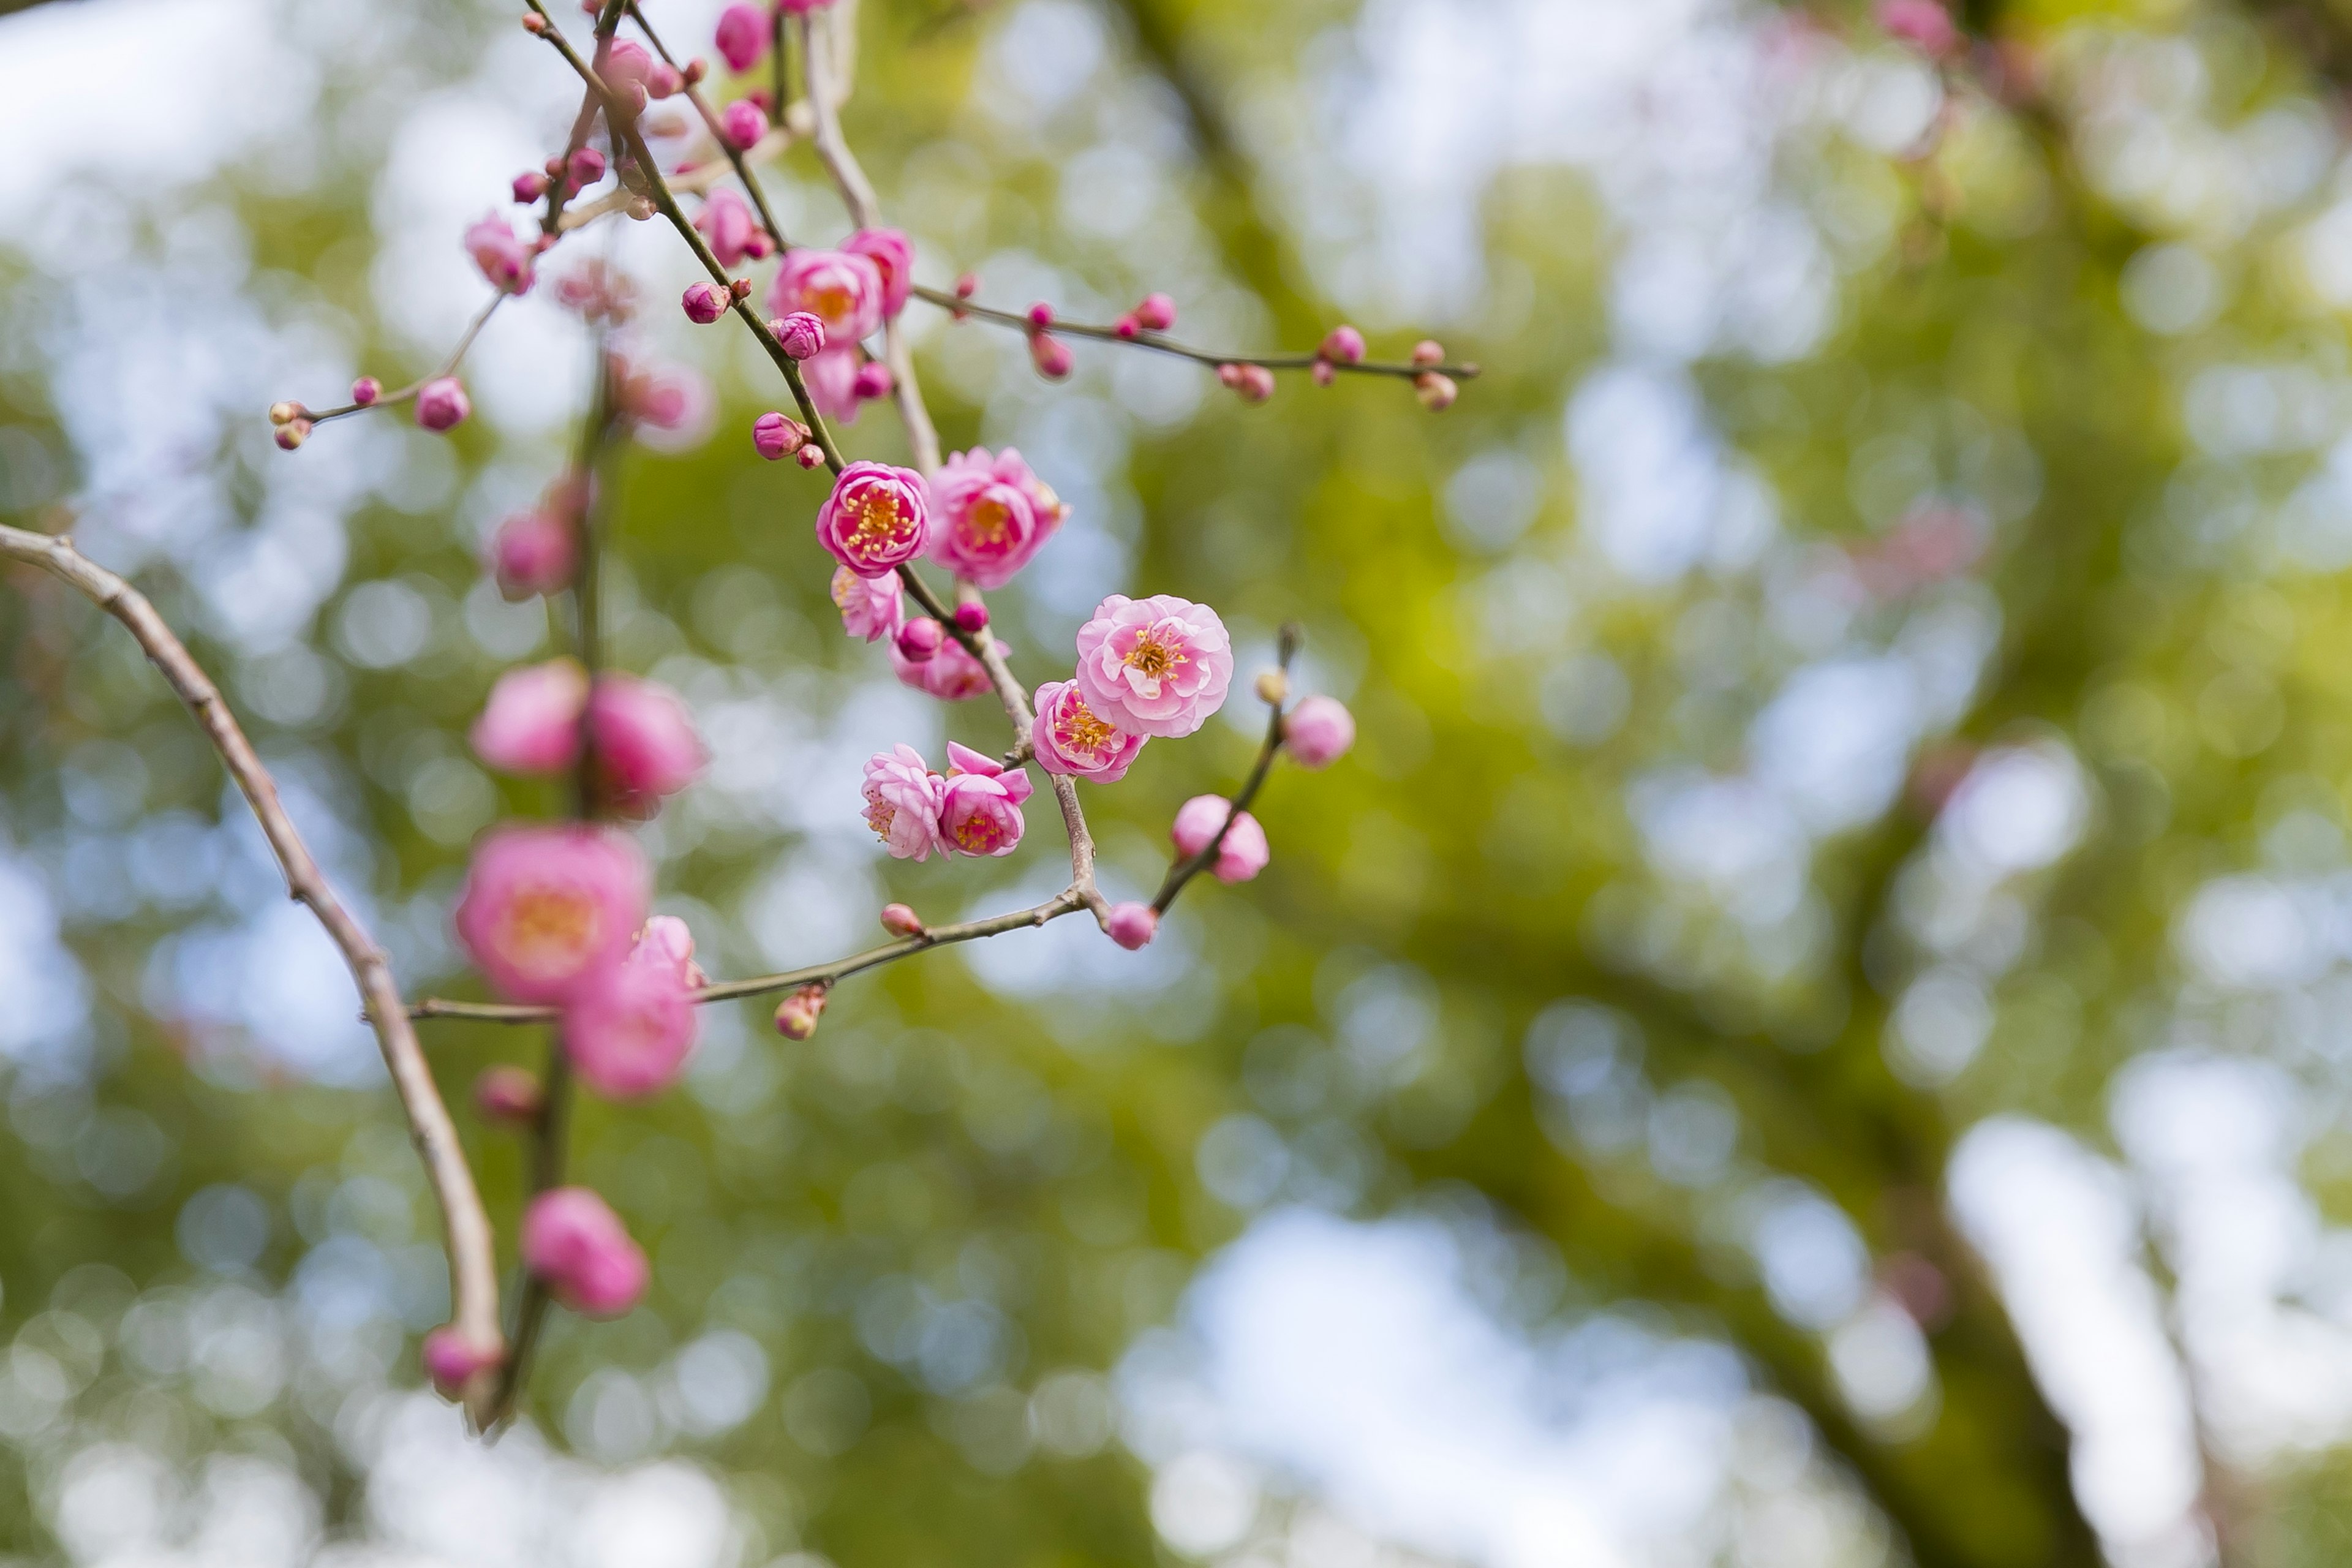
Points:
[[1189, 866], [287, 415], [736, 156], [473, 1258]]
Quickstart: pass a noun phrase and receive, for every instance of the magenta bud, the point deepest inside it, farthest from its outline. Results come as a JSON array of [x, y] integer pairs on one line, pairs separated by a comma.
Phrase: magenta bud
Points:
[[1126, 326], [1252, 383], [1344, 345], [874, 380], [966, 286], [451, 1360], [508, 1094], [809, 455], [774, 436], [1322, 373], [744, 123], [704, 302], [972, 616], [919, 640], [1041, 314], [586, 165], [366, 389], [900, 921], [441, 405], [742, 36], [665, 80], [529, 185], [1050, 355], [801, 334], [759, 248], [797, 1014], [1428, 351], [1157, 313], [1132, 925]]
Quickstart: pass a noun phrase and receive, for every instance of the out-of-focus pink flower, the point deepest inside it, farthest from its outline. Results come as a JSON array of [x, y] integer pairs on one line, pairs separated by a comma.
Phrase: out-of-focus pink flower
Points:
[[902, 803], [665, 80], [1244, 853], [1252, 384], [545, 908], [1154, 666], [775, 434], [801, 334], [704, 302], [844, 292], [441, 404], [532, 723], [532, 554], [988, 524], [951, 675], [1343, 345], [874, 380], [509, 1094], [529, 185], [743, 122], [627, 1029], [1132, 925], [505, 260], [919, 640], [1051, 355], [980, 809], [743, 37], [871, 607], [586, 165], [578, 1246], [1157, 313], [1070, 738], [450, 1358], [893, 257], [671, 405], [1318, 731], [1924, 24], [646, 744], [727, 226], [831, 378], [876, 517], [627, 69], [667, 943]]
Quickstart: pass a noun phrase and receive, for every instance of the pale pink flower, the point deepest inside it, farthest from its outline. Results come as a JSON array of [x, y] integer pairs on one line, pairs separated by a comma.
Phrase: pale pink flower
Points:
[[1318, 731], [628, 1028], [844, 292], [450, 1358], [1154, 666], [743, 37], [988, 522], [442, 405], [831, 378], [1244, 853], [980, 809], [876, 517], [646, 744], [545, 908], [728, 227], [532, 723], [532, 554], [672, 405], [668, 941], [505, 260], [892, 257], [902, 803], [1132, 925], [951, 675], [871, 607], [1070, 738], [578, 1246]]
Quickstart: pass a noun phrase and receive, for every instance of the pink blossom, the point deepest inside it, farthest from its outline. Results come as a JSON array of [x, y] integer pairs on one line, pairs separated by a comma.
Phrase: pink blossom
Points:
[[646, 744], [843, 291], [1069, 739], [902, 803], [774, 436], [892, 257], [988, 522], [727, 226], [876, 517], [628, 1028], [831, 378], [874, 380], [578, 1246], [667, 943], [801, 335], [441, 404], [951, 675], [1318, 731], [743, 37], [532, 554], [704, 303], [532, 723], [1244, 853], [450, 1358], [744, 122], [980, 809], [871, 607], [1132, 925], [1154, 666], [545, 908], [505, 260]]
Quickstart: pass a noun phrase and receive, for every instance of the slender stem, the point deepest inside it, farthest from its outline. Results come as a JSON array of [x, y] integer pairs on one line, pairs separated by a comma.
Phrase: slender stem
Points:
[[448, 367], [735, 155], [473, 1257], [1192, 866]]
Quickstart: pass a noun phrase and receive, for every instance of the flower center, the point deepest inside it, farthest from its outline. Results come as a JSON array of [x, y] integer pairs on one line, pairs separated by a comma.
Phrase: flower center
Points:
[[1153, 658], [878, 520], [832, 303], [879, 815], [549, 926], [1081, 732], [989, 521], [977, 833]]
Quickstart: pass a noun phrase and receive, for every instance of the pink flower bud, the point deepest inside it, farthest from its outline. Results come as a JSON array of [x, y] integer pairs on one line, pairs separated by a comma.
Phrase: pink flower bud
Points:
[[580, 1249], [727, 226], [366, 389], [441, 405], [902, 803], [744, 123], [451, 1360], [874, 380], [1041, 314], [919, 640], [1050, 355], [586, 165], [529, 185], [900, 921], [509, 1094], [743, 37], [802, 335], [1253, 384], [627, 1031], [1322, 373], [967, 285], [1157, 313], [504, 260], [531, 723], [1230, 375], [1132, 925], [1318, 731], [775, 436], [285, 413], [543, 908], [1436, 392], [626, 68], [797, 1014], [665, 80], [1343, 345], [810, 456], [532, 554], [1128, 327], [668, 942], [972, 616], [1244, 853], [1428, 351], [876, 517], [871, 607], [646, 744], [292, 433], [704, 302]]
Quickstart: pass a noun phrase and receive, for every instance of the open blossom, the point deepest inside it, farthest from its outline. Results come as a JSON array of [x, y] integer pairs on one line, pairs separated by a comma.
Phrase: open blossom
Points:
[[980, 807], [876, 517], [532, 554], [743, 37], [988, 524], [1244, 853], [728, 227], [505, 260], [1070, 738], [892, 257], [546, 908], [532, 723], [1318, 731], [628, 1028], [646, 744], [844, 292], [902, 803], [575, 1242], [951, 675], [1154, 666], [871, 607]]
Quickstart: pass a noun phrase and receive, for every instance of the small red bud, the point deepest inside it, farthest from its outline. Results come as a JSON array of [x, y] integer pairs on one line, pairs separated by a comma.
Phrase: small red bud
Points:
[[900, 921], [695, 70], [972, 616], [1126, 326], [1041, 314], [741, 289], [966, 286], [1428, 351], [533, 23], [1157, 313]]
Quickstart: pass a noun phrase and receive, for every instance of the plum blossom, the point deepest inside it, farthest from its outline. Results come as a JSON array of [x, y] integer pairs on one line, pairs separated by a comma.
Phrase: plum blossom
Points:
[[628, 1028], [980, 809], [1154, 666], [646, 744], [992, 514], [532, 553], [505, 260], [1070, 738], [831, 378], [893, 257], [442, 403], [729, 228], [844, 292], [876, 517], [544, 909], [532, 723], [1244, 853], [1318, 731], [951, 675], [578, 1246], [902, 803], [871, 607], [743, 37]]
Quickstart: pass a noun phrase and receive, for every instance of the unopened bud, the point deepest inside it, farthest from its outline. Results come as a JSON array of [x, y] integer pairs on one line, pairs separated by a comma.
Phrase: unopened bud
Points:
[[1344, 345], [741, 289], [972, 616], [509, 1094], [665, 80], [640, 208], [1050, 355], [900, 921], [810, 456], [704, 303], [744, 123], [801, 334], [1322, 373], [1273, 687], [775, 436], [532, 22], [451, 1360], [366, 389], [797, 1014], [285, 413], [874, 380], [1132, 925], [695, 70], [1126, 326], [1436, 392], [1429, 350], [966, 286], [586, 165], [919, 640], [529, 185], [1157, 313], [292, 433], [1041, 314], [1253, 384]]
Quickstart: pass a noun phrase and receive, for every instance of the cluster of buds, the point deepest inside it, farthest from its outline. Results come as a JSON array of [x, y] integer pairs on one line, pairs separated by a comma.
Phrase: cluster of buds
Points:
[[1435, 390], [1341, 345], [776, 435], [293, 423], [1154, 313], [1049, 353], [1251, 383]]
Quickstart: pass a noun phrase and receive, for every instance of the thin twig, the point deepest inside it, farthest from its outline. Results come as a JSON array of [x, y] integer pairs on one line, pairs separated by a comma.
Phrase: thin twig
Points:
[[448, 367], [473, 1257], [735, 155], [1192, 866]]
